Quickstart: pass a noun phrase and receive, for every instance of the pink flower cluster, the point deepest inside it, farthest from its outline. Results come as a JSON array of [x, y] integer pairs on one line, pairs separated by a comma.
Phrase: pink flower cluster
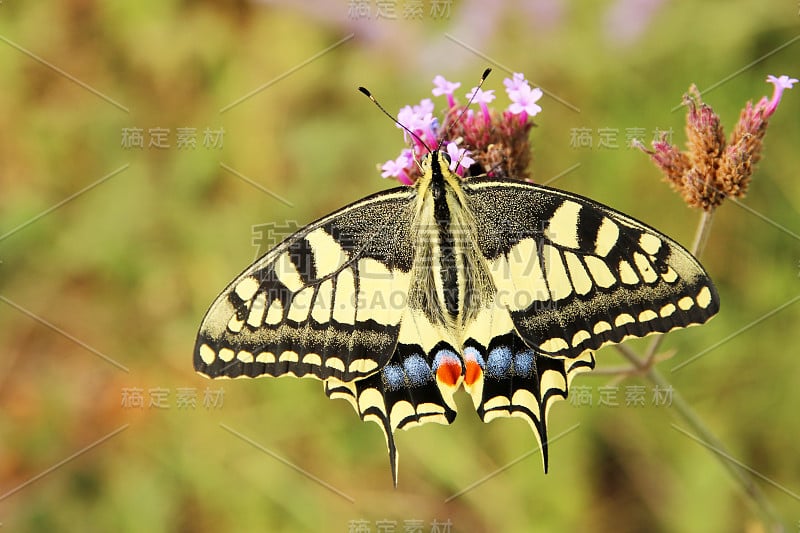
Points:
[[713, 168], [464, 134]]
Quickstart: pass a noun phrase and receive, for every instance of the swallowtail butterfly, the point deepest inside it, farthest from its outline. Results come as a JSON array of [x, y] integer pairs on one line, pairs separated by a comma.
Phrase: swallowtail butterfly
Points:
[[500, 286]]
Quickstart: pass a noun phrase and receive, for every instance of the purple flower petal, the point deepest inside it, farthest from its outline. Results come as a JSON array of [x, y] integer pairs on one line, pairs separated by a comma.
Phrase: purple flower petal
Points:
[[514, 83], [458, 156], [424, 107], [398, 168], [524, 100], [780, 83], [444, 87], [481, 96]]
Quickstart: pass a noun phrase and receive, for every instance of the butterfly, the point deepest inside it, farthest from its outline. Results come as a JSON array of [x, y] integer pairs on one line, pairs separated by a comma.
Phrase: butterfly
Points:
[[499, 286]]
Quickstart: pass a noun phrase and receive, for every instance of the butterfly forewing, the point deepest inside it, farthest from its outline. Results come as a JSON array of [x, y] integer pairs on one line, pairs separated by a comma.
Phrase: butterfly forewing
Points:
[[576, 275], [307, 306]]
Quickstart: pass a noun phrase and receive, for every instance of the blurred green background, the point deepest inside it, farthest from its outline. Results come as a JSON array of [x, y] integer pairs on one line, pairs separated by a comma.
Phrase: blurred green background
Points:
[[126, 269]]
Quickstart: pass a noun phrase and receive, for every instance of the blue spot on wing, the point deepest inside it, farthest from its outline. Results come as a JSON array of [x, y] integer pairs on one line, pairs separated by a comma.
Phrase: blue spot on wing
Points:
[[417, 370], [499, 363], [470, 352], [523, 363], [444, 355], [393, 377]]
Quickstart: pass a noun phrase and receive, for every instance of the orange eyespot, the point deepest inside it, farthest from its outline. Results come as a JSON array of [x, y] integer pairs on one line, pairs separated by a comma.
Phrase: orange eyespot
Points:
[[448, 372], [474, 372]]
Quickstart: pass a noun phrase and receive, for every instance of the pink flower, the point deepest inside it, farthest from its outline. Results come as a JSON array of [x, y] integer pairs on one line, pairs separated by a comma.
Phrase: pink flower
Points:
[[483, 98], [780, 83], [458, 156], [424, 107], [398, 168], [444, 87], [523, 101], [497, 142], [421, 121], [514, 83]]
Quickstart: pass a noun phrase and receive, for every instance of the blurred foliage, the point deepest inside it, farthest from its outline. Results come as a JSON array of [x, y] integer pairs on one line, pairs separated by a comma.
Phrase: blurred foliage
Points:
[[129, 266]]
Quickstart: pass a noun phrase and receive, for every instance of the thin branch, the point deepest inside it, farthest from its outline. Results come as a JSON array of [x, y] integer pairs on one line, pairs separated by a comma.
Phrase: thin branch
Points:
[[643, 365], [702, 233], [620, 370], [740, 476], [631, 355]]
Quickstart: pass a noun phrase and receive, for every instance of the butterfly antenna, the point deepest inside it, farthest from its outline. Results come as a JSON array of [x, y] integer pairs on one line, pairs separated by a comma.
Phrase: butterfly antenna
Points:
[[374, 101], [466, 107]]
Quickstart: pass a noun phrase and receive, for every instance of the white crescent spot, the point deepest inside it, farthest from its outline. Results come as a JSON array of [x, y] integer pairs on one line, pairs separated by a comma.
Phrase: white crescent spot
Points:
[[580, 336], [554, 345], [647, 315], [312, 359], [623, 319], [704, 297], [207, 354], [667, 310], [246, 288], [226, 354], [289, 356], [601, 326], [335, 363]]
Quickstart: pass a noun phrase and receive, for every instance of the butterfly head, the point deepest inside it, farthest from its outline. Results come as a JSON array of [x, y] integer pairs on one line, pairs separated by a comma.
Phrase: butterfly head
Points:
[[435, 168], [437, 180]]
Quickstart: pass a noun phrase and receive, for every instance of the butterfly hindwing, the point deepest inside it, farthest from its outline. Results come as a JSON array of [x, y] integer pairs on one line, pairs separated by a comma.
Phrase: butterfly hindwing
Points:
[[522, 382], [508, 377], [308, 306], [415, 387], [576, 275]]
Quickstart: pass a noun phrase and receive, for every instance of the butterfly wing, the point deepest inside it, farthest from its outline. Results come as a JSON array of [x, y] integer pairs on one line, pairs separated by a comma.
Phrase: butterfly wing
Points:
[[307, 307], [508, 377], [414, 388], [571, 275]]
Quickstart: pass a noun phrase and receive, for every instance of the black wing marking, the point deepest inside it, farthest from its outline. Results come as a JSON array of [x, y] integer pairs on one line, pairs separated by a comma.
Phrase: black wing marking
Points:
[[519, 381]]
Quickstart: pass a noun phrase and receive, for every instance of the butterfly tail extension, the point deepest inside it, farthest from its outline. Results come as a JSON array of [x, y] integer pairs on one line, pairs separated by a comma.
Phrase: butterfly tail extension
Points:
[[508, 378], [404, 394], [336, 389]]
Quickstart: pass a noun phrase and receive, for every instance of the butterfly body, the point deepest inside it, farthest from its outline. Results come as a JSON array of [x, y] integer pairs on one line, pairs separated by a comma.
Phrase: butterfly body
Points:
[[500, 286]]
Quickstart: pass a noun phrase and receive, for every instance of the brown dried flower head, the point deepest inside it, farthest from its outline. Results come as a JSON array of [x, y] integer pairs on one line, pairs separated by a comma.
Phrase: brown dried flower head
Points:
[[712, 169]]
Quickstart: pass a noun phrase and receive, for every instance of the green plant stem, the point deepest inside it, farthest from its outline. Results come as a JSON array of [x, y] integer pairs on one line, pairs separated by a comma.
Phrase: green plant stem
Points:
[[685, 412], [702, 233], [643, 365]]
